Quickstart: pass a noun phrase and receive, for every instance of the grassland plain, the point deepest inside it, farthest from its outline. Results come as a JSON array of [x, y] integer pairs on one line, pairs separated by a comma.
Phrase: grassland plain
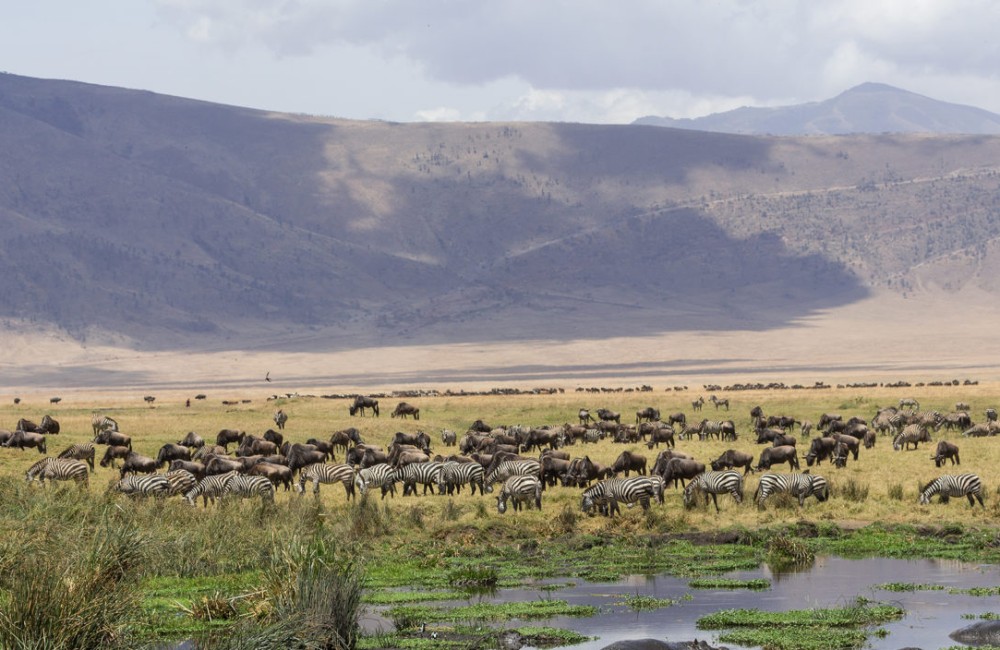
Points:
[[206, 568]]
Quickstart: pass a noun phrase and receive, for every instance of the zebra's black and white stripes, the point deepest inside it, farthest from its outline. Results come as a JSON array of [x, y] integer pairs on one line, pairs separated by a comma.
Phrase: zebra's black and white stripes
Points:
[[427, 474], [607, 494], [323, 473], [520, 490], [250, 487], [83, 451], [103, 423], [799, 486], [454, 475], [962, 485], [507, 468], [381, 476], [59, 469], [210, 488], [912, 434], [714, 483], [143, 486]]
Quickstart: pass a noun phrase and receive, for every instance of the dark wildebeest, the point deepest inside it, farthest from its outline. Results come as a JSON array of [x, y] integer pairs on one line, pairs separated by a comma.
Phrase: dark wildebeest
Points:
[[136, 463], [113, 452], [851, 443], [681, 469], [553, 470], [27, 425], [197, 469], [785, 422], [221, 465], [5, 436], [826, 419], [629, 462], [345, 437], [322, 445], [171, 452], [361, 403], [946, 450], [276, 437], [372, 456], [660, 434], [277, 474], [778, 455], [585, 416], [539, 438], [677, 418], [820, 449], [192, 440], [583, 470], [609, 416], [403, 409], [418, 439], [648, 414], [114, 438], [732, 458], [207, 451], [22, 439], [664, 457], [251, 446], [227, 436]]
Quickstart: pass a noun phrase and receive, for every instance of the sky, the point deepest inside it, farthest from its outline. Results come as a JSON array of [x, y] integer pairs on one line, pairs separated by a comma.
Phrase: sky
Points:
[[510, 60]]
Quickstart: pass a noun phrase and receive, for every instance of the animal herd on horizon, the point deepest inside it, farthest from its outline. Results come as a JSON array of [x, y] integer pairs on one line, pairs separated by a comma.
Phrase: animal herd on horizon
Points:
[[495, 455]]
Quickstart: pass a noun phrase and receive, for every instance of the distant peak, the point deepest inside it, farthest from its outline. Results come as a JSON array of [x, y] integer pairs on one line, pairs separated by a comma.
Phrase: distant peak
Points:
[[872, 86]]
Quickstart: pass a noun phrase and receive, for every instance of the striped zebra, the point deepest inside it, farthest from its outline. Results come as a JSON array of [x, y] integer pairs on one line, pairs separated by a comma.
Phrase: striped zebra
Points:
[[912, 434], [209, 488], [381, 476], [280, 417], [83, 451], [520, 490], [146, 485], [800, 486], [59, 469], [607, 494], [963, 485], [323, 473], [427, 474], [249, 487], [454, 475], [712, 484], [102, 423], [181, 481], [507, 468]]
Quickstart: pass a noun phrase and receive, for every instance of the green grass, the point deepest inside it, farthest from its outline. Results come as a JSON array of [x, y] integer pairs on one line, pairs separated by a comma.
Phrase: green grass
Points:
[[407, 616], [640, 603], [753, 584]]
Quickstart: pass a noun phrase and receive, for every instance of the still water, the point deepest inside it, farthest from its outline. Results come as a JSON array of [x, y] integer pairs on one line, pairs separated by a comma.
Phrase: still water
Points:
[[930, 615]]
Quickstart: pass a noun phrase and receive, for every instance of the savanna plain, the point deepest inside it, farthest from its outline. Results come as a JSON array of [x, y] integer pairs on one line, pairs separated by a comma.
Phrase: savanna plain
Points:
[[89, 568]]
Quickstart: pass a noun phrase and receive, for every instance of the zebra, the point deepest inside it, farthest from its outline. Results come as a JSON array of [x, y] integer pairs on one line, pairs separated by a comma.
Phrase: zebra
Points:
[[607, 494], [719, 402], [280, 417], [149, 485], [911, 434], [83, 451], [800, 486], [381, 476], [427, 474], [181, 481], [909, 402], [714, 483], [991, 414], [102, 423], [967, 485], [323, 473], [248, 487], [521, 490], [59, 469], [454, 475], [210, 487], [507, 468]]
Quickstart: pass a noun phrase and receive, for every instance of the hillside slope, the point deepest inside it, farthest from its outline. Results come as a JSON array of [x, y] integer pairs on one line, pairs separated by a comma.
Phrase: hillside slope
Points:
[[172, 222]]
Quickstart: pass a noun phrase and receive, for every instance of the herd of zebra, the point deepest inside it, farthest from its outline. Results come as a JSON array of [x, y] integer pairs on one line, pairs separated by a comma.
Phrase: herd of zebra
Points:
[[494, 455]]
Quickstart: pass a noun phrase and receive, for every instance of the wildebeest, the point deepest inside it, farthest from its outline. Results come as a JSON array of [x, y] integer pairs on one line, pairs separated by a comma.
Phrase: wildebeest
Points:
[[171, 452], [681, 470], [227, 436], [850, 443], [113, 452], [136, 463], [609, 416], [945, 451], [553, 470], [276, 437], [826, 418], [195, 468], [114, 438], [361, 403], [280, 417], [252, 446], [192, 440], [658, 434], [585, 416], [628, 461], [277, 474], [777, 455], [909, 402], [27, 425], [732, 458], [820, 449], [345, 437], [403, 409], [22, 439], [648, 414]]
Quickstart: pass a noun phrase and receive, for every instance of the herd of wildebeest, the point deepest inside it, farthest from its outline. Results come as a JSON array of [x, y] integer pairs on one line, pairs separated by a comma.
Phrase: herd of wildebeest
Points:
[[524, 460]]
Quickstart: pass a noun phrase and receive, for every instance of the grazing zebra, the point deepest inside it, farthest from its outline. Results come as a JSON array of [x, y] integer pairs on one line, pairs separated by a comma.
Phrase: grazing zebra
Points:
[[103, 423], [59, 469], [381, 476], [800, 486], [248, 487], [963, 485], [135, 486], [912, 434], [607, 494], [427, 474], [280, 417], [505, 469], [83, 451], [454, 475], [209, 488], [323, 473], [520, 490], [181, 481], [712, 484]]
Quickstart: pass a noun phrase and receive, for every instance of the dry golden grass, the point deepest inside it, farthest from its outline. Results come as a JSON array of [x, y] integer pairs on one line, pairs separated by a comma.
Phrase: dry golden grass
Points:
[[880, 470]]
